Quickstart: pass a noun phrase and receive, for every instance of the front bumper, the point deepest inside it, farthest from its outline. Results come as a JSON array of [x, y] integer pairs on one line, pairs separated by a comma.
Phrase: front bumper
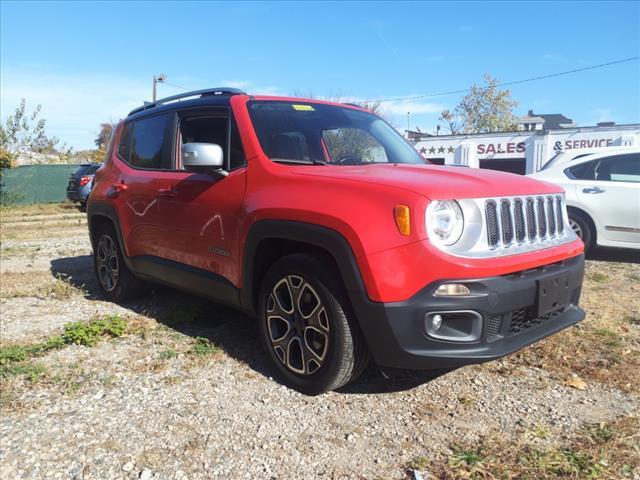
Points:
[[508, 306]]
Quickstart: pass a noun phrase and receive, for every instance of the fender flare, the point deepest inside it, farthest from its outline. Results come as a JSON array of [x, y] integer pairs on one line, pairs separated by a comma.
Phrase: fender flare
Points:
[[102, 209], [319, 236]]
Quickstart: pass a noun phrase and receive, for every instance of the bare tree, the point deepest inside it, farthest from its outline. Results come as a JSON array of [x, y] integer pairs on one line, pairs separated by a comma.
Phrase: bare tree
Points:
[[452, 122]]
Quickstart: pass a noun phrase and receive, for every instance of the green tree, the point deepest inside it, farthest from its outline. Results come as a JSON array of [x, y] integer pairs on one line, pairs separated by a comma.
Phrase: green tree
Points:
[[23, 134], [102, 140], [484, 109]]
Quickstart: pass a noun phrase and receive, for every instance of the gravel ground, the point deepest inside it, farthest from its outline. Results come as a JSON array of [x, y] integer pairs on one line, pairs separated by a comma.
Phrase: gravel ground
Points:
[[144, 406]]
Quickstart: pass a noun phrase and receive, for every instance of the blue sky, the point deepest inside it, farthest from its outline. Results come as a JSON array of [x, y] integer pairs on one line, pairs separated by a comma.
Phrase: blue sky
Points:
[[90, 62]]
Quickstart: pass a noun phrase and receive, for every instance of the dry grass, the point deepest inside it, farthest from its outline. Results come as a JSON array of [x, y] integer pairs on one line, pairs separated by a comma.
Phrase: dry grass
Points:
[[37, 209], [41, 221], [22, 230], [605, 347], [607, 451], [51, 232], [37, 284]]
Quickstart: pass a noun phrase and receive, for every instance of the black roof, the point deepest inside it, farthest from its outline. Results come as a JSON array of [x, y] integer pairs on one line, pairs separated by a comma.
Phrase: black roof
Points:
[[552, 121], [209, 96], [555, 121]]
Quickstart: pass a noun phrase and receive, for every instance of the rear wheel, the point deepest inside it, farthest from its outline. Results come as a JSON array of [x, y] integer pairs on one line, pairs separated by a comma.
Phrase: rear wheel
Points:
[[582, 227], [307, 326], [115, 280]]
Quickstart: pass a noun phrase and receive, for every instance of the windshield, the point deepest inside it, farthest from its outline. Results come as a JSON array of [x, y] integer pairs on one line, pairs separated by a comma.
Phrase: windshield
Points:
[[318, 133]]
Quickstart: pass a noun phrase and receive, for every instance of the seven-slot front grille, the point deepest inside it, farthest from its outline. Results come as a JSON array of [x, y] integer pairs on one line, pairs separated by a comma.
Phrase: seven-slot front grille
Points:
[[519, 220]]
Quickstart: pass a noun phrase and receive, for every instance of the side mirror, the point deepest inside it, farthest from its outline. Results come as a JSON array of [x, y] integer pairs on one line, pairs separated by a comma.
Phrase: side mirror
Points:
[[203, 157]]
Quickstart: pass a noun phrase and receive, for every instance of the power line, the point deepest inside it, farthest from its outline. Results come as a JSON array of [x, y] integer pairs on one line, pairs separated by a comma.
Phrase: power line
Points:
[[177, 86], [506, 84]]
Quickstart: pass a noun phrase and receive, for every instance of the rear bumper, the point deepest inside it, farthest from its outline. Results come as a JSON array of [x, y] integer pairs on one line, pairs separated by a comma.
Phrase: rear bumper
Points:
[[507, 307], [78, 195]]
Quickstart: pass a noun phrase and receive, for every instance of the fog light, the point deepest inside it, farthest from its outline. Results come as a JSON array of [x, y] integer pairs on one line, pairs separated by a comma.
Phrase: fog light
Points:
[[454, 325], [436, 323], [452, 290]]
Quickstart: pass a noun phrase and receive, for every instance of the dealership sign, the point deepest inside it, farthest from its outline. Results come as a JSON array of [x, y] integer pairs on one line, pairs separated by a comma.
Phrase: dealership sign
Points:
[[502, 146], [509, 147], [589, 143]]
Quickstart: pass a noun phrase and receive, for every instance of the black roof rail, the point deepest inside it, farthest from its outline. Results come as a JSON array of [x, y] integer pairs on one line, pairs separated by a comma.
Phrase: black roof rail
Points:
[[195, 93]]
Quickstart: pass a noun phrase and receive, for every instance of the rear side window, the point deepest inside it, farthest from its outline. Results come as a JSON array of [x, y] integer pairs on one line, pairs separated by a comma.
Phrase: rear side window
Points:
[[83, 170], [622, 168], [619, 168], [584, 171], [146, 143]]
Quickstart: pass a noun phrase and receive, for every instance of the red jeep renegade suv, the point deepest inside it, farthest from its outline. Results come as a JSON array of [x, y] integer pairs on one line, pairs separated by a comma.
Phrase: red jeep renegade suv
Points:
[[321, 221]]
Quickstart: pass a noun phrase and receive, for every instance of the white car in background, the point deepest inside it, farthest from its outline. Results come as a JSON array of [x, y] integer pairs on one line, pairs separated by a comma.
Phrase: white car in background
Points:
[[602, 194]]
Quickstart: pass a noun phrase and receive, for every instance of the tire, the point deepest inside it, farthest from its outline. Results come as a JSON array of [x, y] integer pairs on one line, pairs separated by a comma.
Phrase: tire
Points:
[[582, 225], [307, 326], [117, 283]]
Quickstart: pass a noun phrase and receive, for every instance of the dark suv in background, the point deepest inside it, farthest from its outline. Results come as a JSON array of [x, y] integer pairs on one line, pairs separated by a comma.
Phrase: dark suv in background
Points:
[[80, 182]]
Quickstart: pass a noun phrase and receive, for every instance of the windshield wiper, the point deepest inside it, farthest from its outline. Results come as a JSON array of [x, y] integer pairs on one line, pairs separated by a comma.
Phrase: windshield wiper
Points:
[[298, 162]]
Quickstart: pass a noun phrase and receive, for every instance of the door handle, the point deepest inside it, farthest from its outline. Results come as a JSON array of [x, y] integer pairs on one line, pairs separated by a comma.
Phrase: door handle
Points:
[[116, 188], [592, 190], [167, 192]]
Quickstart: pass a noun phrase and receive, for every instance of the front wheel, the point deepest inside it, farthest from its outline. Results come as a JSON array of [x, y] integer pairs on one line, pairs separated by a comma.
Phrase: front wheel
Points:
[[307, 326], [116, 281], [582, 228]]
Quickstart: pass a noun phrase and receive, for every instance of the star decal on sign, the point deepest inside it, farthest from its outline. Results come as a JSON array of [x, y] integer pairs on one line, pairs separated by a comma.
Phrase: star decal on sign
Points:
[[432, 150], [441, 150], [423, 150], [451, 149]]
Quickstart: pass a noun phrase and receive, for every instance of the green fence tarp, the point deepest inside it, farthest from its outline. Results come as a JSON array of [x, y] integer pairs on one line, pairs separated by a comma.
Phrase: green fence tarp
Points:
[[35, 183]]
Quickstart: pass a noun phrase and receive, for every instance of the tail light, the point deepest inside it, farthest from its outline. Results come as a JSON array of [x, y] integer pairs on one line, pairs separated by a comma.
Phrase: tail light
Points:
[[84, 180]]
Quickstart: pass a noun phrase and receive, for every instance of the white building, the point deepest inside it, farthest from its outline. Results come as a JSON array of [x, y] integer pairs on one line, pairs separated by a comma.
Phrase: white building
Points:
[[525, 151]]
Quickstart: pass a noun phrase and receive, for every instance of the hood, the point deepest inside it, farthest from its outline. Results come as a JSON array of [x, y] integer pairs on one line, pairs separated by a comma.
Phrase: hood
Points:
[[436, 182]]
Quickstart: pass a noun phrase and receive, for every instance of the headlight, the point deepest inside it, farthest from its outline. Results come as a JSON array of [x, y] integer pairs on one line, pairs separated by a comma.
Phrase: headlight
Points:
[[445, 222]]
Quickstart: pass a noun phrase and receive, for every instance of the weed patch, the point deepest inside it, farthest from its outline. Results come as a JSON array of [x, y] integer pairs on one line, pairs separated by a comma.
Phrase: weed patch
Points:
[[16, 359], [598, 277], [204, 347], [419, 463], [168, 354], [88, 334]]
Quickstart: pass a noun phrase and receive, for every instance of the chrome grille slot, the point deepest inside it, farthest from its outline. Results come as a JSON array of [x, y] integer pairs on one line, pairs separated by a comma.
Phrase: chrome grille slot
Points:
[[542, 218], [518, 220], [532, 226], [493, 236], [559, 216], [506, 222], [551, 216]]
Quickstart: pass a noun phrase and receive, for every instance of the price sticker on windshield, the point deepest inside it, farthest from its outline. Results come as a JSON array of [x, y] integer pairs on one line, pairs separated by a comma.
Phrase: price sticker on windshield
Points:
[[304, 108]]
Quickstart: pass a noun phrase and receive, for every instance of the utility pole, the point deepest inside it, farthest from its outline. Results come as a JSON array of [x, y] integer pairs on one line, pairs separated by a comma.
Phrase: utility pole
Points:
[[408, 123], [157, 79]]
